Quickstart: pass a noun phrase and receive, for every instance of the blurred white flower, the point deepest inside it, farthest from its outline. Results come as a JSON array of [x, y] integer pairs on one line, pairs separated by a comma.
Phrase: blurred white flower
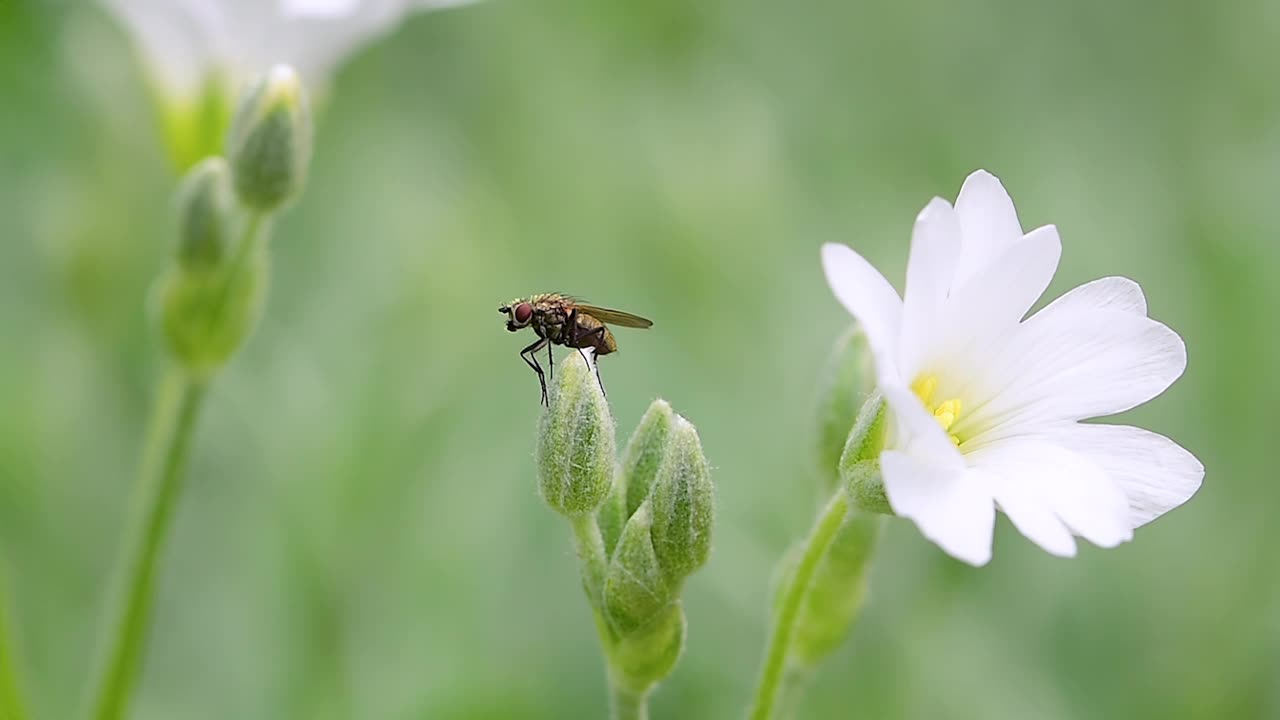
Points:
[[986, 407], [201, 53], [188, 43]]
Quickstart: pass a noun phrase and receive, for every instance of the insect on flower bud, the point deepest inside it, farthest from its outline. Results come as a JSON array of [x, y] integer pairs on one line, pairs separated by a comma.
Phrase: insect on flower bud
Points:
[[270, 140], [682, 500], [205, 214], [575, 452], [635, 589], [846, 381]]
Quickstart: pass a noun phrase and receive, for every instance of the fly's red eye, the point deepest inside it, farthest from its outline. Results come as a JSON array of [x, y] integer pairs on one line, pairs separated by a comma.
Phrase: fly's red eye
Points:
[[524, 311]]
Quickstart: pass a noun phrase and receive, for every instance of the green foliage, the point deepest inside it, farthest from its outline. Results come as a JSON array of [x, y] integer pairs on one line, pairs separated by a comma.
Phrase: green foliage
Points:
[[682, 160]]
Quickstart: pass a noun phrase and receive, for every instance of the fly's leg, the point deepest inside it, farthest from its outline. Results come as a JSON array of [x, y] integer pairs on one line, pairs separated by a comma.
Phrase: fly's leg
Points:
[[551, 362], [528, 356], [595, 335]]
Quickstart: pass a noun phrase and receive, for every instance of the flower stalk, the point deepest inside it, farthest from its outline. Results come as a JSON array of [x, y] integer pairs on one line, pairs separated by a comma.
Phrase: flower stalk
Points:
[[164, 466], [209, 301]]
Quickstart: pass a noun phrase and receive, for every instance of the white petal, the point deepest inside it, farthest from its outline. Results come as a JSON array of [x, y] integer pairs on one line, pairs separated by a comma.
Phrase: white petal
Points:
[[982, 315], [949, 507], [935, 249], [988, 221], [1075, 489], [1072, 365], [1109, 293], [1030, 515], [1155, 473], [868, 297], [173, 42]]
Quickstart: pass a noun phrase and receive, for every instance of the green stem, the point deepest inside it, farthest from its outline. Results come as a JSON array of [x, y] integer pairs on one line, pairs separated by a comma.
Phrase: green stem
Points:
[[591, 556], [160, 483], [626, 705], [775, 659], [11, 707]]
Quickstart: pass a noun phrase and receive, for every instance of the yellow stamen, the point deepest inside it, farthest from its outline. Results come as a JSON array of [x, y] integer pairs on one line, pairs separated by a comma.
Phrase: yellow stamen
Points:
[[946, 413], [924, 388]]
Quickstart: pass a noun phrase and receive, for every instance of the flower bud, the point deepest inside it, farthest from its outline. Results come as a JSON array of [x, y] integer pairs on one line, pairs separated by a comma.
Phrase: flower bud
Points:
[[575, 452], [859, 464], [635, 590], [836, 591], [846, 381], [634, 478], [644, 657], [205, 215], [270, 141], [682, 501], [645, 452], [206, 316]]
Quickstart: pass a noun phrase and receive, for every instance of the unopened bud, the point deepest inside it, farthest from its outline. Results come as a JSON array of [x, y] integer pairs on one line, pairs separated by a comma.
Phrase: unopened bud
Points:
[[846, 381], [575, 454], [860, 464], [205, 216], [682, 500], [635, 590], [270, 141]]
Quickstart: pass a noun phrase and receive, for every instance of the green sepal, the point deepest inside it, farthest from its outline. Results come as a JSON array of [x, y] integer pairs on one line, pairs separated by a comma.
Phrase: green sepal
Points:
[[575, 450], [683, 501], [635, 590], [859, 463], [846, 380], [642, 658]]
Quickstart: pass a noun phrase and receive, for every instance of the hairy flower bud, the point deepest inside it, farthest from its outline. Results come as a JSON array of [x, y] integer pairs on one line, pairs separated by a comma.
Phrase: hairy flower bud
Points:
[[635, 590], [575, 452], [205, 215], [846, 381], [682, 502], [640, 461], [859, 464], [270, 141]]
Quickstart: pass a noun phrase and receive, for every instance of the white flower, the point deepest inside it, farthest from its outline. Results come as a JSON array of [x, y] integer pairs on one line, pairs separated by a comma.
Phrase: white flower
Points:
[[190, 43], [986, 407]]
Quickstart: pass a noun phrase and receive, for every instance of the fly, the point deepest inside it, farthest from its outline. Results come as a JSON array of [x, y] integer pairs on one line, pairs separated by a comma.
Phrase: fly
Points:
[[560, 319]]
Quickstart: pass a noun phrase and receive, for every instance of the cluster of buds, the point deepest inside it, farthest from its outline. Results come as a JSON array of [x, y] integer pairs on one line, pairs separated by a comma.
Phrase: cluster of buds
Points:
[[211, 297], [653, 515]]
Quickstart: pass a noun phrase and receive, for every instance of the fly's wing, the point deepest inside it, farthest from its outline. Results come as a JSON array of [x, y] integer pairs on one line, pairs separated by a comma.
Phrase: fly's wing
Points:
[[615, 317]]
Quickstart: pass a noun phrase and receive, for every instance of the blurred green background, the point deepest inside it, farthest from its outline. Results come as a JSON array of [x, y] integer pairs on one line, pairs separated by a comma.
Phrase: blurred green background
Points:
[[361, 536]]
